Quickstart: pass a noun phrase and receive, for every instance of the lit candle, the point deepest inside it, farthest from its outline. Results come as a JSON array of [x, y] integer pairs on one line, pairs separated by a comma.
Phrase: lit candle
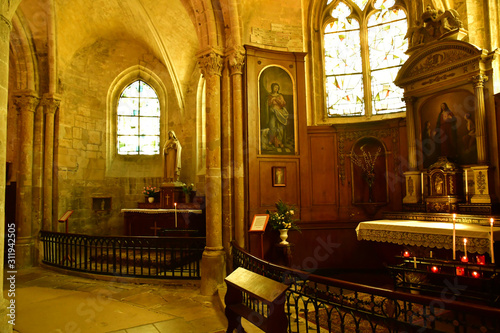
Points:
[[464, 259], [415, 262], [460, 271], [406, 254], [434, 269], [475, 274], [465, 247], [480, 260], [430, 254], [491, 241], [175, 209], [454, 245]]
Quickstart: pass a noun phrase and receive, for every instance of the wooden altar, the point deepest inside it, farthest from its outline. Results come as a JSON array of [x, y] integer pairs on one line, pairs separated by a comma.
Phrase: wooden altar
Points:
[[156, 222]]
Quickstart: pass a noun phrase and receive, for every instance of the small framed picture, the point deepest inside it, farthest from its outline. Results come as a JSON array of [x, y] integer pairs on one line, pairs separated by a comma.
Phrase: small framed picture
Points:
[[259, 222], [279, 176]]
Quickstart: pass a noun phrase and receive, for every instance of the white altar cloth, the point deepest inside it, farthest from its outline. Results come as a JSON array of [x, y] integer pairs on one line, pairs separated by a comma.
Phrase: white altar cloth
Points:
[[428, 234], [161, 211]]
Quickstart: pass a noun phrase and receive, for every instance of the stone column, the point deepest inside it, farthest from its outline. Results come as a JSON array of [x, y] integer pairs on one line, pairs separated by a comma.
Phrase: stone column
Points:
[[37, 195], [26, 102], [227, 163], [412, 176], [236, 61], [50, 104], [478, 82], [481, 171], [213, 261]]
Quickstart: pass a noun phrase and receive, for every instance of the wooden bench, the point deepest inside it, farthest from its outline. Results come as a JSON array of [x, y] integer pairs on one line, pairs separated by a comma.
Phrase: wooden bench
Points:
[[248, 292]]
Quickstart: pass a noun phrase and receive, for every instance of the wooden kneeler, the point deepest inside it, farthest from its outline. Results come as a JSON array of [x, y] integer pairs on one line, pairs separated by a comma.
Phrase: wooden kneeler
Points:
[[258, 289]]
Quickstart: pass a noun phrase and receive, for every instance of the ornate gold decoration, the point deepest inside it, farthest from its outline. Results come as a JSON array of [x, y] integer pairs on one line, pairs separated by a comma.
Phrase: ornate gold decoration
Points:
[[411, 188], [481, 182], [479, 80], [438, 78]]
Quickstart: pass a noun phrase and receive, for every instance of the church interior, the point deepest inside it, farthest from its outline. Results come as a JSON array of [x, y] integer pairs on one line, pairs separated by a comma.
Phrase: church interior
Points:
[[209, 140]]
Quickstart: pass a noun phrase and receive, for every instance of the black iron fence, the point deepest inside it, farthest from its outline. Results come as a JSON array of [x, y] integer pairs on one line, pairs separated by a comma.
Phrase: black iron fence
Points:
[[158, 257], [319, 304]]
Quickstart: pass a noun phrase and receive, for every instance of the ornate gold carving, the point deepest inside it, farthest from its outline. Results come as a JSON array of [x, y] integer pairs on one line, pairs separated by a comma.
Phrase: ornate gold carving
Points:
[[438, 78], [411, 188], [211, 63], [479, 80], [435, 25], [481, 182], [435, 60]]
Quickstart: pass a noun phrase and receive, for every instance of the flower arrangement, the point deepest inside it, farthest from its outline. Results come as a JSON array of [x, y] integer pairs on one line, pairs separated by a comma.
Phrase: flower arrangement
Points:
[[150, 191], [187, 189], [283, 218]]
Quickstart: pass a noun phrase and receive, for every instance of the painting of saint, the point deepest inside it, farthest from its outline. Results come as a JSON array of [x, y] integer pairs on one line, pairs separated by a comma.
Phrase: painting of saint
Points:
[[277, 127], [448, 129]]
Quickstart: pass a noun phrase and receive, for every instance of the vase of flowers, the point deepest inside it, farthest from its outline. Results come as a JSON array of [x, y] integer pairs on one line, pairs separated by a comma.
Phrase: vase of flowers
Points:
[[150, 192], [188, 190], [283, 219]]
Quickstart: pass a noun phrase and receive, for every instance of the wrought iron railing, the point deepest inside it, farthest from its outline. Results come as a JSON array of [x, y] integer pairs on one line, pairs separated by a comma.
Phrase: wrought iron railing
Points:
[[158, 257], [319, 304]]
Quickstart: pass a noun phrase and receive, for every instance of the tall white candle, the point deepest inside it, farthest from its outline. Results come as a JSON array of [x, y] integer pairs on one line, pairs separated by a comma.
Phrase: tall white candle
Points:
[[175, 209], [465, 247], [422, 184], [454, 245], [414, 262], [492, 252]]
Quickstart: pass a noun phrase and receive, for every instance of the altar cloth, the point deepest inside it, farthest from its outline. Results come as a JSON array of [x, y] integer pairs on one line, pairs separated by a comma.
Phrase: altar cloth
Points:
[[161, 211], [428, 234]]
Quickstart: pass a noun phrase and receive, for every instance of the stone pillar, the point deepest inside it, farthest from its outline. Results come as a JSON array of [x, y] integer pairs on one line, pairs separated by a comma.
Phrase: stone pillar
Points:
[[37, 194], [7, 10], [481, 176], [236, 61], [412, 177], [26, 102], [478, 82], [50, 104], [227, 164], [213, 261]]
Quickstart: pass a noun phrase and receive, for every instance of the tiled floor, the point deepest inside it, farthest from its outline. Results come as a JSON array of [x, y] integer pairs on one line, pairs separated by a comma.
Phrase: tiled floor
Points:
[[51, 302]]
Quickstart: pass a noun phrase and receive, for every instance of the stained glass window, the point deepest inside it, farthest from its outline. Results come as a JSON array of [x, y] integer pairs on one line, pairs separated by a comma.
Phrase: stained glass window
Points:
[[138, 120], [360, 71]]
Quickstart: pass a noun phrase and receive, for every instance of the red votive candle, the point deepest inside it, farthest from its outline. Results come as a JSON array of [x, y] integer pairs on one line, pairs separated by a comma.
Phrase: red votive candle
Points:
[[464, 259], [406, 254], [476, 274], [460, 271], [480, 260], [434, 269]]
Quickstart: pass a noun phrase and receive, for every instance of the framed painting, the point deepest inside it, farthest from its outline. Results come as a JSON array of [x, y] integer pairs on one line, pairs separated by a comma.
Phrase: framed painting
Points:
[[448, 128], [277, 112], [279, 176]]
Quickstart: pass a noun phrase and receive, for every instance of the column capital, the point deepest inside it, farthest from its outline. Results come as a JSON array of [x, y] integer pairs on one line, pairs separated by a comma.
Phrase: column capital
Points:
[[236, 59], [50, 102], [409, 99], [26, 100], [479, 80], [210, 63]]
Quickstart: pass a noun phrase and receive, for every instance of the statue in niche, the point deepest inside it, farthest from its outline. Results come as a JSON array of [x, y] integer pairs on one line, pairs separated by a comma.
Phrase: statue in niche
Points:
[[172, 158]]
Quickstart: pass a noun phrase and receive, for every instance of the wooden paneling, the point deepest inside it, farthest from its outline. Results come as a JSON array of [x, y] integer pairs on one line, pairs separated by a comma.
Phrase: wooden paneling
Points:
[[323, 170], [270, 194]]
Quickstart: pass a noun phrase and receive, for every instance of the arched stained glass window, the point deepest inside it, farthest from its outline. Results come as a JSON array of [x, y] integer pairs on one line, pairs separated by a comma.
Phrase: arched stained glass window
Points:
[[138, 120], [364, 45]]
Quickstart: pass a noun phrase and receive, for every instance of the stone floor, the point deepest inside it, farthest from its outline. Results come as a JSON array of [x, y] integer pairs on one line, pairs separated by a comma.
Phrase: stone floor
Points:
[[51, 302]]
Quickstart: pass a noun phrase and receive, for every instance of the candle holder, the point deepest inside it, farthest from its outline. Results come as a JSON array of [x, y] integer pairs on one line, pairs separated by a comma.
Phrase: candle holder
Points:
[[475, 274], [480, 260], [435, 269], [460, 271], [464, 259], [406, 254]]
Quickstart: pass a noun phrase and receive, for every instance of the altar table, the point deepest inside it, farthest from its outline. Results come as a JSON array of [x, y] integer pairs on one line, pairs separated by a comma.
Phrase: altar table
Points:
[[151, 222], [428, 234]]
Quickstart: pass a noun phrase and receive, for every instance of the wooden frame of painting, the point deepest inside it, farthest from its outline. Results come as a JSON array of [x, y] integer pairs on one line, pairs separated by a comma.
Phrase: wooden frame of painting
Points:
[[259, 222], [277, 123], [279, 175]]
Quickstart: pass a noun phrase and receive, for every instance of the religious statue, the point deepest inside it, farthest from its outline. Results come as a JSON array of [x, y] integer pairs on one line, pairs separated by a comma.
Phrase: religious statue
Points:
[[172, 158]]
